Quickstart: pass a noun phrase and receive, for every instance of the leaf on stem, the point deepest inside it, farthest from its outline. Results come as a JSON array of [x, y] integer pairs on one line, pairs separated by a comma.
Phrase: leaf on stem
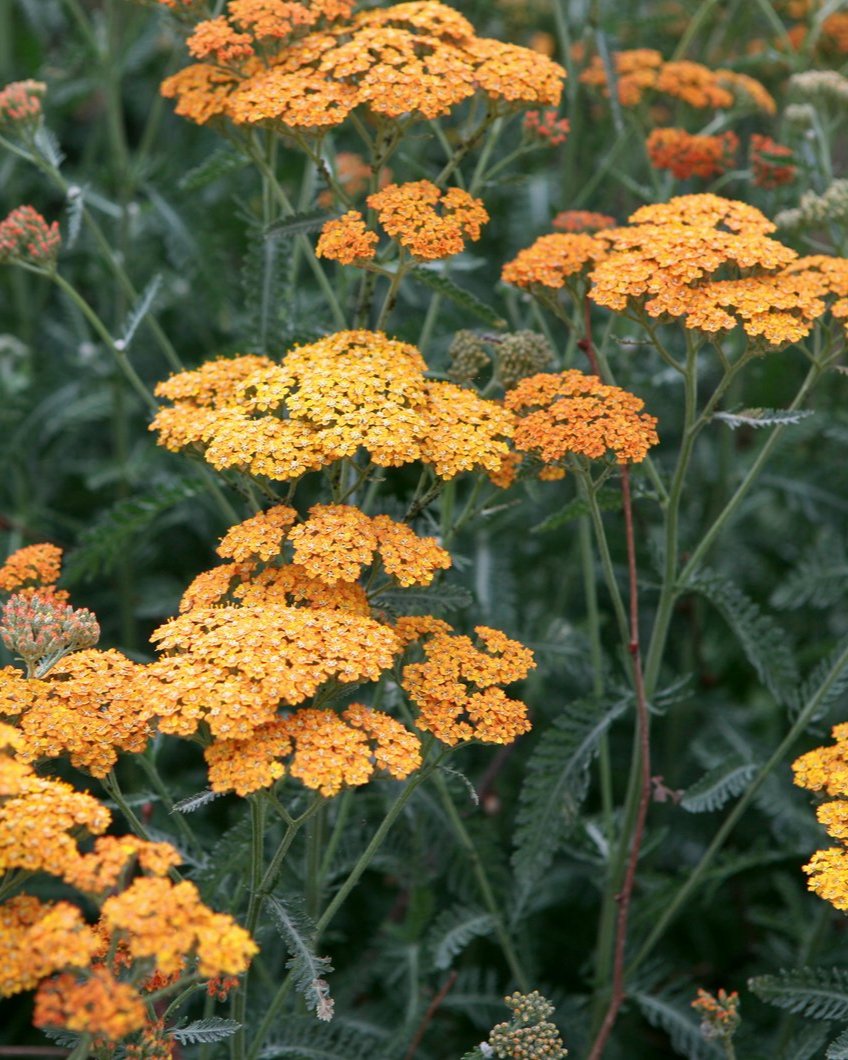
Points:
[[204, 1032], [719, 785], [816, 993], [440, 283], [454, 929]]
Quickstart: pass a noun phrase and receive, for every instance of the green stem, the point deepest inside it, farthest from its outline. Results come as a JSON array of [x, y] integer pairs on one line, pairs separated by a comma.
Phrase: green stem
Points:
[[148, 766], [486, 892]]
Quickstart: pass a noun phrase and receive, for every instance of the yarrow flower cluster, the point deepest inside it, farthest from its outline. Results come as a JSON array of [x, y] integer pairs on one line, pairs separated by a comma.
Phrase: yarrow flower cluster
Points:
[[30, 567], [685, 155], [544, 125], [554, 259], [666, 258], [21, 107], [26, 238], [429, 223], [51, 947], [582, 221], [825, 769], [349, 391], [571, 412], [643, 71], [529, 1034], [771, 162], [266, 62]]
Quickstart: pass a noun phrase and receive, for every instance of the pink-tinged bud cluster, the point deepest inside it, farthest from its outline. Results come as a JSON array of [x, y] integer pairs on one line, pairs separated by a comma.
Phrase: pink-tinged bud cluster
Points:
[[41, 631], [26, 237], [20, 104], [544, 125]]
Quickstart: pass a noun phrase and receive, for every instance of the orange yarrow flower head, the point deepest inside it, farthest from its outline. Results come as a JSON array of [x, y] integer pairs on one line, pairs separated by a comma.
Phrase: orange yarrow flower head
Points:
[[20, 107], [26, 238], [457, 687], [570, 412], [667, 258], [582, 221], [685, 155], [643, 72], [545, 126], [31, 566], [429, 223], [347, 240], [325, 401], [420, 58], [553, 260], [94, 1003]]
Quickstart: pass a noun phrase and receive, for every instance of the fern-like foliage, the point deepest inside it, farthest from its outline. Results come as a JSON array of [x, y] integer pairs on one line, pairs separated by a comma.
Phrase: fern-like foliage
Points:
[[298, 224], [303, 1039], [808, 1042], [218, 164], [817, 993], [556, 780], [719, 785], [439, 600], [143, 305], [762, 417], [835, 691], [675, 1017], [820, 577], [764, 643], [608, 501], [439, 282], [453, 930], [297, 930], [838, 1048], [206, 1031], [120, 529], [191, 803]]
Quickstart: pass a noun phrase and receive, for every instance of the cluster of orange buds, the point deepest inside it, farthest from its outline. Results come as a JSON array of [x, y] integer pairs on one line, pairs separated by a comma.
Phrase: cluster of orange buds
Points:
[[41, 631], [685, 155], [26, 238], [544, 125], [20, 106], [719, 1013]]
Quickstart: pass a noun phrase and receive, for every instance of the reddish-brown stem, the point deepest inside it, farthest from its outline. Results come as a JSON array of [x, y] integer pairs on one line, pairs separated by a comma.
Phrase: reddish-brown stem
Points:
[[643, 728], [432, 1009], [586, 344]]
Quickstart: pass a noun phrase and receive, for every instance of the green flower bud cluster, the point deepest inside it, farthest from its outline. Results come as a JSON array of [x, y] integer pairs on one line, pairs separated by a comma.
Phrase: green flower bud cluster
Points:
[[522, 354], [468, 358], [529, 1035], [825, 86], [41, 631], [813, 209]]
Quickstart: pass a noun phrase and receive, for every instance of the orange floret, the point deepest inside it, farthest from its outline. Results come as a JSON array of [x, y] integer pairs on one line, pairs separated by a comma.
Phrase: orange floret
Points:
[[168, 922], [335, 543], [38, 939], [346, 239], [260, 537], [552, 260], [571, 412], [31, 565], [411, 559], [245, 766], [216, 39], [463, 431], [456, 689], [113, 856], [98, 1004], [691, 156], [427, 222]]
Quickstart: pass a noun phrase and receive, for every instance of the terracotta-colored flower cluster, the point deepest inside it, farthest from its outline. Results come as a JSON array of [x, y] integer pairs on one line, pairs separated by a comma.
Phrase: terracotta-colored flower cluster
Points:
[[457, 688], [429, 223], [31, 567], [772, 163], [544, 125], [667, 260], [20, 106], [643, 73], [582, 221], [825, 769], [554, 259], [26, 238], [349, 391], [570, 412], [308, 66], [685, 155]]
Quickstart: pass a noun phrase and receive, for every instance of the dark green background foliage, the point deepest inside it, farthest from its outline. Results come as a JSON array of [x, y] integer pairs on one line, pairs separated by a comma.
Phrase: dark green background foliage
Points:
[[81, 470]]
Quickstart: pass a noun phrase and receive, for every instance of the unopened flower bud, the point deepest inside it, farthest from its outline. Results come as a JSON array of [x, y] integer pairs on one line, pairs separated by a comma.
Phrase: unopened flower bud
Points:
[[41, 631]]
